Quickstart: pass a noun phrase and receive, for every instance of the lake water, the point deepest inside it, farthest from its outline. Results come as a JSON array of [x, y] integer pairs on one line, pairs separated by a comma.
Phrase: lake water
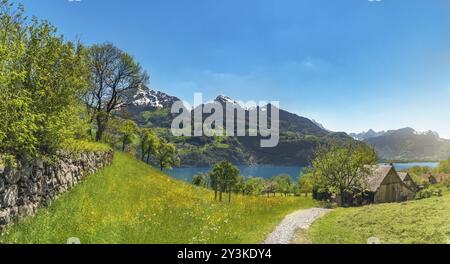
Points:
[[405, 166], [263, 171], [268, 171]]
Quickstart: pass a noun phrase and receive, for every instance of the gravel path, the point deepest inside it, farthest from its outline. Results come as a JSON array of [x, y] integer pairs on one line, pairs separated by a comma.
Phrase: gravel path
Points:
[[285, 232]]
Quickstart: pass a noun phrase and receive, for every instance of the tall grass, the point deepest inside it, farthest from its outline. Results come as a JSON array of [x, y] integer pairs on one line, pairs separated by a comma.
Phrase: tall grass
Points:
[[130, 202], [424, 221]]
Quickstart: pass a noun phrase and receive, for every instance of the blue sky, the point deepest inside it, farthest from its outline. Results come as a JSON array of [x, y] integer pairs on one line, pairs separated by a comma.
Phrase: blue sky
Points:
[[349, 64]]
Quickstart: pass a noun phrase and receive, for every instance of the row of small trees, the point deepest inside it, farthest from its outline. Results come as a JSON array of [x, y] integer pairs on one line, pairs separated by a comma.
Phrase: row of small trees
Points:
[[337, 170], [126, 135], [226, 178]]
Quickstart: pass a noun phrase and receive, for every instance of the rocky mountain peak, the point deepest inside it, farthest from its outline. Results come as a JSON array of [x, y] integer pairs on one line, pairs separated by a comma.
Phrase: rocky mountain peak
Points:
[[151, 99]]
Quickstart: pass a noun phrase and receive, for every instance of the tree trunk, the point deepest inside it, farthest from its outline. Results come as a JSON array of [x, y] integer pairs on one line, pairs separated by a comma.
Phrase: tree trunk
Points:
[[100, 128], [142, 154], [342, 201], [220, 196], [215, 193], [123, 146], [161, 165], [229, 196]]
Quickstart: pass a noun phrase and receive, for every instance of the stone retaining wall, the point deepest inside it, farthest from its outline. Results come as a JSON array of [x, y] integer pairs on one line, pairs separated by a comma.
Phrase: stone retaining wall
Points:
[[37, 183]]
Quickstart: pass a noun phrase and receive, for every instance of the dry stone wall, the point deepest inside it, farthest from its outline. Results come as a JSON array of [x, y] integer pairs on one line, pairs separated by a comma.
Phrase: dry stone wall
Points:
[[33, 184]]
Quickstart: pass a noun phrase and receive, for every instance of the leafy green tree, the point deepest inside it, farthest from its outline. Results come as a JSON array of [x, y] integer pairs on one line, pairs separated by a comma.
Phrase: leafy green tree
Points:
[[270, 187], [114, 77], [342, 169], [283, 184], [128, 130], [446, 183], [224, 177], [166, 155], [239, 187], [201, 180], [149, 141], [295, 189], [305, 184], [215, 182], [41, 80], [254, 186], [444, 167]]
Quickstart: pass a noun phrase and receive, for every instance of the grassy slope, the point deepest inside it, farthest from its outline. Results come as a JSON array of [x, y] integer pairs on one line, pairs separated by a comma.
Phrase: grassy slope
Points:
[[130, 202], [424, 221]]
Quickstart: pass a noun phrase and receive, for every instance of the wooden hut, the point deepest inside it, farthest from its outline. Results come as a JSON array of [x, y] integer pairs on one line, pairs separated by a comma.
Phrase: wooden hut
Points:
[[387, 186], [406, 178]]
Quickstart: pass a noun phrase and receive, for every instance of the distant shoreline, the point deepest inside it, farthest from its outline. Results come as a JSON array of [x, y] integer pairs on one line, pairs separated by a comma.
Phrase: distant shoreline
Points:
[[409, 161]]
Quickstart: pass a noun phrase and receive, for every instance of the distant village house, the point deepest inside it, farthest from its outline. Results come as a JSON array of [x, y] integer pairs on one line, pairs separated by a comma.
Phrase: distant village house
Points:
[[435, 178], [384, 185]]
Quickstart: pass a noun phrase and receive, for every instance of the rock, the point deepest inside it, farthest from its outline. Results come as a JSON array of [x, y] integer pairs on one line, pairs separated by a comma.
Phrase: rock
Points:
[[13, 213], [4, 217], [10, 196], [40, 165], [2, 184], [12, 176], [25, 210], [26, 172], [39, 174]]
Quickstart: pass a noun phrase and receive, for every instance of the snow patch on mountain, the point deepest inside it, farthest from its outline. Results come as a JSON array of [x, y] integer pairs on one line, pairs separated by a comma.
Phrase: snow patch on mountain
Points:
[[149, 98]]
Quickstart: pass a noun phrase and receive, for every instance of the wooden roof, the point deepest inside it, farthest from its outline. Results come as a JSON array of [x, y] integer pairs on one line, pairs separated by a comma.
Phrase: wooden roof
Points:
[[377, 175], [403, 175]]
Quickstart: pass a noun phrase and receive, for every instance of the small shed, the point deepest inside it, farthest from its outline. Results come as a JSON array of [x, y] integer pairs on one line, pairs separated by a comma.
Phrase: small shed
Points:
[[406, 178], [387, 186]]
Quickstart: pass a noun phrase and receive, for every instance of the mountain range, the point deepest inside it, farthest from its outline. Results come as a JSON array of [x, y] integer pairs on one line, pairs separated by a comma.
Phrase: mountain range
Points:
[[406, 144], [299, 136]]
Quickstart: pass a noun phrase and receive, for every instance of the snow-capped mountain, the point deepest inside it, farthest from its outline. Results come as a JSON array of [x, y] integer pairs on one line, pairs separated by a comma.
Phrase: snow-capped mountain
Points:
[[320, 125], [299, 136], [405, 131], [228, 100], [150, 99], [223, 99], [407, 144], [365, 135]]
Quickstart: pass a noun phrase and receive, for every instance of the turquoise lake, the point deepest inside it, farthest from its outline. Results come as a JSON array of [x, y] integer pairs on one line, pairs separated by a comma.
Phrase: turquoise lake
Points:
[[263, 171], [268, 171]]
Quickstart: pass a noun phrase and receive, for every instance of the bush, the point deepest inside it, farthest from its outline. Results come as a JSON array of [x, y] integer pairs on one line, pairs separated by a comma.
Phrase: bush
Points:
[[41, 80], [428, 193], [321, 194], [79, 146]]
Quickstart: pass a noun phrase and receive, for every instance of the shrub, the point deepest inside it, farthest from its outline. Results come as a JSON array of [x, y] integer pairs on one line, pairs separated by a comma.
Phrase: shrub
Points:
[[428, 193], [78, 146], [41, 80]]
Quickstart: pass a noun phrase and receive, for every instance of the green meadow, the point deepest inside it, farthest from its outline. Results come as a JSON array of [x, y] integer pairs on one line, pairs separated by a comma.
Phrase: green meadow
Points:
[[416, 222], [131, 202]]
